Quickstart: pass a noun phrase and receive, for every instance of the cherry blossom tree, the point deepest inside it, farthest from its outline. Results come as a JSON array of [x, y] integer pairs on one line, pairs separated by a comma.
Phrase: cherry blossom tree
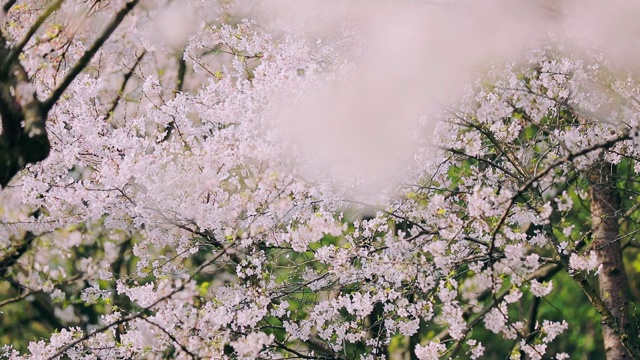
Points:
[[151, 208]]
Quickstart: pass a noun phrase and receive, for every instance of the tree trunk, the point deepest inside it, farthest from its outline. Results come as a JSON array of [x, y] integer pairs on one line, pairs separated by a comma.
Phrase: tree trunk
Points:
[[612, 279], [24, 136]]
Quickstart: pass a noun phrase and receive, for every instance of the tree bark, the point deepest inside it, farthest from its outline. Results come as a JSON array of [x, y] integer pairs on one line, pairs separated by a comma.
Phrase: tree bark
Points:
[[612, 279], [24, 137]]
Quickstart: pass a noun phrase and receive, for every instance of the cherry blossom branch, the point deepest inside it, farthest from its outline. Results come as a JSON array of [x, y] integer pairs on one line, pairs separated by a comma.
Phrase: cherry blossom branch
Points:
[[512, 158], [193, 356], [316, 343], [522, 189], [608, 318], [140, 313], [16, 50], [393, 214], [88, 55], [21, 145], [540, 274], [480, 159], [125, 81]]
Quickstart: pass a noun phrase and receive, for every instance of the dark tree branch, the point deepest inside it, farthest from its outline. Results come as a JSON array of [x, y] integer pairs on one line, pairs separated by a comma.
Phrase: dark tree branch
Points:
[[164, 331], [182, 71], [531, 325], [16, 298], [12, 257], [125, 81], [480, 159], [16, 50], [7, 6], [88, 55]]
